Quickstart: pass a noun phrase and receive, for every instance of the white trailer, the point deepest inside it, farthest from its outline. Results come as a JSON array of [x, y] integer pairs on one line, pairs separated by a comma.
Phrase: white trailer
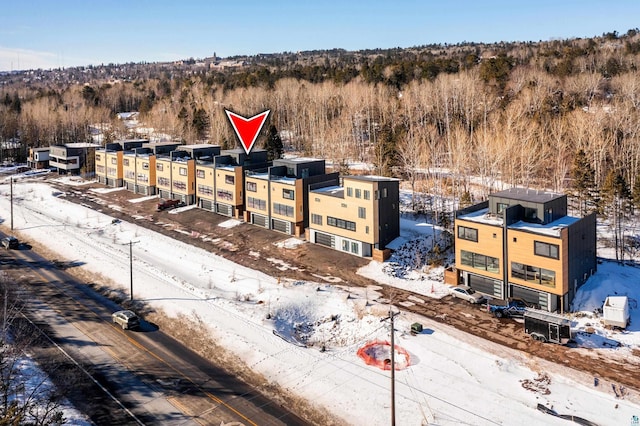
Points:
[[615, 311]]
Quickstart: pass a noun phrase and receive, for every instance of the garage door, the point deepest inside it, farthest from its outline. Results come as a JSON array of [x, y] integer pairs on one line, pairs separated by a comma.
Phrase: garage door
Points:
[[532, 296], [206, 204], [324, 239], [131, 186], [259, 220], [485, 285], [281, 226], [224, 209]]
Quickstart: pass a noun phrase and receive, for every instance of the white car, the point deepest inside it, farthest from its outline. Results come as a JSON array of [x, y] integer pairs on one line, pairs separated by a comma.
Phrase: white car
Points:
[[126, 319], [465, 292]]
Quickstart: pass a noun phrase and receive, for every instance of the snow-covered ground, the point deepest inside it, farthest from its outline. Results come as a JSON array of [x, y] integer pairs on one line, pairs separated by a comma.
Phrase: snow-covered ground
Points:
[[453, 378]]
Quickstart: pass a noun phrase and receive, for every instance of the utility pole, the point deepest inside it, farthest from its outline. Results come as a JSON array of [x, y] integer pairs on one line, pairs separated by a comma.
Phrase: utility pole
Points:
[[11, 197], [131, 268], [391, 316]]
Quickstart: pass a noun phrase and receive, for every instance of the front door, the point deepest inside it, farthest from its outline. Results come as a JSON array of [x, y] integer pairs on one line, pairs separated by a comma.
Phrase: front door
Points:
[[554, 333]]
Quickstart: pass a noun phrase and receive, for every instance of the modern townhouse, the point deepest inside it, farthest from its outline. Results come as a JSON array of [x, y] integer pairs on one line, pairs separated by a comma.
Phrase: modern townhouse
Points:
[[38, 158], [139, 166], [360, 217], [521, 243], [176, 171], [73, 158], [220, 181], [109, 164], [278, 197]]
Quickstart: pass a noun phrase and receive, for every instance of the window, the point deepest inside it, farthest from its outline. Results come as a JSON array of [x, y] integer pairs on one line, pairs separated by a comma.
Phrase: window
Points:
[[358, 193], [341, 223], [125, 162], [384, 192], [362, 213], [533, 274], [224, 195], [287, 194], [354, 248], [200, 174], [501, 207], [316, 219], [256, 203], [480, 261], [98, 157], [180, 186], [145, 166], [163, 181], [366, 229], [205, 190], [112, 171], [143, 178], [349, 191], [252, 187], [159, 167], [114, 160], [130, 174], [100, 169], [470, 234], [282, 209], [367, 194], [229, 179], [317, 200], [546, 249], [345, 245], [182, 171]]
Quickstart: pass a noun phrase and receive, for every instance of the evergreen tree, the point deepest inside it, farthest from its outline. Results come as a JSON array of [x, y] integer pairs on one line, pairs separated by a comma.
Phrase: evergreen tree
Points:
[[200, 123], [583, 184], [617, 199], [273, 145]]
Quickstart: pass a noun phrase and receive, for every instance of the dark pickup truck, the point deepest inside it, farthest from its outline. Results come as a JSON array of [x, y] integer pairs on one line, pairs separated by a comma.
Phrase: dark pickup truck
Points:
[[507, 308], [168, 204]]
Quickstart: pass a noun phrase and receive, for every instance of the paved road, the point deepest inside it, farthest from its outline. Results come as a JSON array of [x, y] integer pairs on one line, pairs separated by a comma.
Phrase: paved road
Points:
[[145, 376]]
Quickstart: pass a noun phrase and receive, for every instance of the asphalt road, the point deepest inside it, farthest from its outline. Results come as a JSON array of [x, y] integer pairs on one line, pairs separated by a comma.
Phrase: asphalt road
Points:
[[138, 377]]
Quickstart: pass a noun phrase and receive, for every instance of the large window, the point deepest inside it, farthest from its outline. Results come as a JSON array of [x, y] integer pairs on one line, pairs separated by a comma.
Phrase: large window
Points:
[[470, 234], [130, 174], [256, 203], [288, 194], [282, 209], [533, 274], [480, 261], [180, 186], [316, 219], [100, 169], [205, 190], [546, 249], [252, 187], [162, 181], [341, 223], [222, 194]]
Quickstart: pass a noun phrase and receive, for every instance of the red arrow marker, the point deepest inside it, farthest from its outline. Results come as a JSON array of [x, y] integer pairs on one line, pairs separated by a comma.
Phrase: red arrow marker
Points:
[[247, 129]]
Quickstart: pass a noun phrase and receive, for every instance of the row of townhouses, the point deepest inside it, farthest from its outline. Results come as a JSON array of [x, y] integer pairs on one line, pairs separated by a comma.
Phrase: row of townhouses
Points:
[[519, 243], [354, 214]]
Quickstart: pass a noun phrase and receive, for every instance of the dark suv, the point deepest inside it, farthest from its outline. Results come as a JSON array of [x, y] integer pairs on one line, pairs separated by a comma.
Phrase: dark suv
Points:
[[10, 243]]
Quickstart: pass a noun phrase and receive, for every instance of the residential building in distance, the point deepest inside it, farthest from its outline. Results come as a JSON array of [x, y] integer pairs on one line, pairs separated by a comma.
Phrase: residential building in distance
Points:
[[220, 180], [139, 166], [38, 158], [176, 171], [521, 243], [360, 217], [73, 158], [109, 164], [278, 197]]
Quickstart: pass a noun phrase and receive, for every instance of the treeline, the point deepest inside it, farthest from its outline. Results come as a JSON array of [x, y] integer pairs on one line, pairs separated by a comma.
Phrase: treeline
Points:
[[492, 116]]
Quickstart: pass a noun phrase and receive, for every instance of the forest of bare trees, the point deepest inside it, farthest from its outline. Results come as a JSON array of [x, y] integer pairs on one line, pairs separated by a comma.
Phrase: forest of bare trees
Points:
[[491, 116]]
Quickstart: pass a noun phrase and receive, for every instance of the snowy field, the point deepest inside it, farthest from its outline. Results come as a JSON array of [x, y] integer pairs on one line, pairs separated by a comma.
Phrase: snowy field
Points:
[[453, 378]]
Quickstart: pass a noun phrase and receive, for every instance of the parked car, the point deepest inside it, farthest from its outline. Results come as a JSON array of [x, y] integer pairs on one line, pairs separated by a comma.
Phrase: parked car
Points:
[[127, 319], [168, 204], [10, 242], [465, 292]]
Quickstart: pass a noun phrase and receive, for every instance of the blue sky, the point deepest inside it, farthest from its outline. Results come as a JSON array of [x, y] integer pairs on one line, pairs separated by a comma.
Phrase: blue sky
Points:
[[65, 33]]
